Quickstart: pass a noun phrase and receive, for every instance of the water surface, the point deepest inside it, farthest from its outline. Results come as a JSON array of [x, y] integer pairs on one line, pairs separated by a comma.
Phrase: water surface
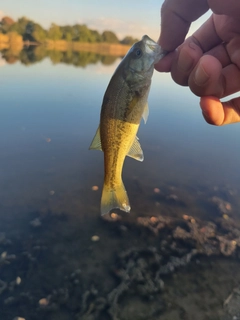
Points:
[[49, 112]]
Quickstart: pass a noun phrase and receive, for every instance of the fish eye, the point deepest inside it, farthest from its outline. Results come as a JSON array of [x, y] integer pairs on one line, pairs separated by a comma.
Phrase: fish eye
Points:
[[138, 53]]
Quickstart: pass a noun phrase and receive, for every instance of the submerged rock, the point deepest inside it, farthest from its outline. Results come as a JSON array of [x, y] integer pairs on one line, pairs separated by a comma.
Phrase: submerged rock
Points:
[[232, 305], [224, 207], [36, 223]]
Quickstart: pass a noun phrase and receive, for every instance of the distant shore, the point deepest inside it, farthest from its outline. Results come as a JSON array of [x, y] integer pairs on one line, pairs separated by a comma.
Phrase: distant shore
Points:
[[115, 49], [103, 48]]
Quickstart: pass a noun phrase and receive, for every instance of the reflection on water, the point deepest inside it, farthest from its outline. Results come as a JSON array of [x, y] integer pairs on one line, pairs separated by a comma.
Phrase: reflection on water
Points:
[[58, 258], [33, 54]]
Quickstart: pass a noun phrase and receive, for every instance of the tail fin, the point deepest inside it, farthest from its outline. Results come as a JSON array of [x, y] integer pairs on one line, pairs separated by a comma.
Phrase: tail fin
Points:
[[114, 198]]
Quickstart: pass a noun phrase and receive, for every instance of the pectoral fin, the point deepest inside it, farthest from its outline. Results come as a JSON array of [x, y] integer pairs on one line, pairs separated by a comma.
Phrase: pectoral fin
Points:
[[96, 142], [145, 113], [135, 151]]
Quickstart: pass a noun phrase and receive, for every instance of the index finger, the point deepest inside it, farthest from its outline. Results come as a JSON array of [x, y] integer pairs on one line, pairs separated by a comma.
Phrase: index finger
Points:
[[176, 18]]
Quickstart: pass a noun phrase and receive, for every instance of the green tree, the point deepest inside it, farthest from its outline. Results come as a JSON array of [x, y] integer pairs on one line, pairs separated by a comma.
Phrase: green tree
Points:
[[38, 33], [67, 33], [82, 33], [109, 36], [55, 32], [96, 36], [129, 40], [29, 30]]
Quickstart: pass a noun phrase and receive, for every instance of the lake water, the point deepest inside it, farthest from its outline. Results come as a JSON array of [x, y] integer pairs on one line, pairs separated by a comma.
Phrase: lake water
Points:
[[49, 112]]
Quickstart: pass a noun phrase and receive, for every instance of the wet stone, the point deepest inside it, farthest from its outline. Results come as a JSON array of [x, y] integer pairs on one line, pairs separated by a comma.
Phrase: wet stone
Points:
[[4, 240], [43, 302], [95, 238], [36, 223], [9, 300], [3, 286], [224, 207], [232, 305], [18, 280]]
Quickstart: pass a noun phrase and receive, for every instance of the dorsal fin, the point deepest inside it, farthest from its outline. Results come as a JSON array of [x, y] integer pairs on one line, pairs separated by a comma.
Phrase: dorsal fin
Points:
[[96, 142]]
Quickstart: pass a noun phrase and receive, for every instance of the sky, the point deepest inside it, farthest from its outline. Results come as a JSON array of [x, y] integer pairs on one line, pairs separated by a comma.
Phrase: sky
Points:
[[125, 17]]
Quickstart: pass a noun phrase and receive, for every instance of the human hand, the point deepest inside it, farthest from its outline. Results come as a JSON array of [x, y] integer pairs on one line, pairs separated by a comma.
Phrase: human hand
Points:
[[209, 60]]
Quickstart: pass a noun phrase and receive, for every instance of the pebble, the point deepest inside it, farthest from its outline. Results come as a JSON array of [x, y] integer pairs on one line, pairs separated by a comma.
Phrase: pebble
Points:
[[78, 271], [36, 223], [18, 281], [51, 192], [95, 238], [19, 318], [43, 302], [228, 206], [115, 216], [123, 228], [94, 188], [223, 206], [9, 300], [4, 255], [156, 190], [173, 197]]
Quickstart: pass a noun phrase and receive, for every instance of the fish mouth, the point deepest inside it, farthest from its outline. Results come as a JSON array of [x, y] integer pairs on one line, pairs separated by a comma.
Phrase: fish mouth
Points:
[[150, 45], [153, 48]]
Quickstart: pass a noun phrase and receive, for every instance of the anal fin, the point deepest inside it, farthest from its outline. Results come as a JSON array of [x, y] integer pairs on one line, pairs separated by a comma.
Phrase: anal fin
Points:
[[135, 151]]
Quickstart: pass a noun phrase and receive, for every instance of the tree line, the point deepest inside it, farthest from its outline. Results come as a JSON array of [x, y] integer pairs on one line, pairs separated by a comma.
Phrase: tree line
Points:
[[34, 32]]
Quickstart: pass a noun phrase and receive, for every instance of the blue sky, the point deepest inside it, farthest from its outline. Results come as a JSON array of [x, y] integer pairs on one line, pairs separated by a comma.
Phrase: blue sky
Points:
[[125, 17]]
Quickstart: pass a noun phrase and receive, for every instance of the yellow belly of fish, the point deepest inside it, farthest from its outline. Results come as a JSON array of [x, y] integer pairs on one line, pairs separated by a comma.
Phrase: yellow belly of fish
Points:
[[117, 138]]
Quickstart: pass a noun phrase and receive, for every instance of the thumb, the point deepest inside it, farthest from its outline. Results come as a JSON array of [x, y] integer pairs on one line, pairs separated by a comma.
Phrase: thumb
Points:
[[220, 113]]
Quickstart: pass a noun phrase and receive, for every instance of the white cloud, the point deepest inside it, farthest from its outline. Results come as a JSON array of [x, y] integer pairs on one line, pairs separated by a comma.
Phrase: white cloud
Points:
[[121, 27]]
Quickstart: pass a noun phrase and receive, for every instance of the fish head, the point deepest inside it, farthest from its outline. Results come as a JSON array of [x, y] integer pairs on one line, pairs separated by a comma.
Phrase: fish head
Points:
[[140, 59]]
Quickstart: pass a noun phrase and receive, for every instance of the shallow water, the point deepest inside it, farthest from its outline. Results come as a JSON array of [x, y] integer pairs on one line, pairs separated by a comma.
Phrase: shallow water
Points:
[[48, 116]]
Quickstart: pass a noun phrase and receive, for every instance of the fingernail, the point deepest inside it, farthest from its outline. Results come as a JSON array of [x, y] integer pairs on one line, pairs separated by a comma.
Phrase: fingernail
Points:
[[201, 76]]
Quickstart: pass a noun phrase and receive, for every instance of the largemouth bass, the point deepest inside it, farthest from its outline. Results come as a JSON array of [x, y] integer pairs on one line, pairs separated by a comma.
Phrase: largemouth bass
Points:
[[123, 106]]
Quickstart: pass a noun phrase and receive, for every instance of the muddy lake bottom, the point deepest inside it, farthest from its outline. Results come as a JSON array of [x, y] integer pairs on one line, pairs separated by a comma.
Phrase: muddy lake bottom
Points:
[[124, 266]]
